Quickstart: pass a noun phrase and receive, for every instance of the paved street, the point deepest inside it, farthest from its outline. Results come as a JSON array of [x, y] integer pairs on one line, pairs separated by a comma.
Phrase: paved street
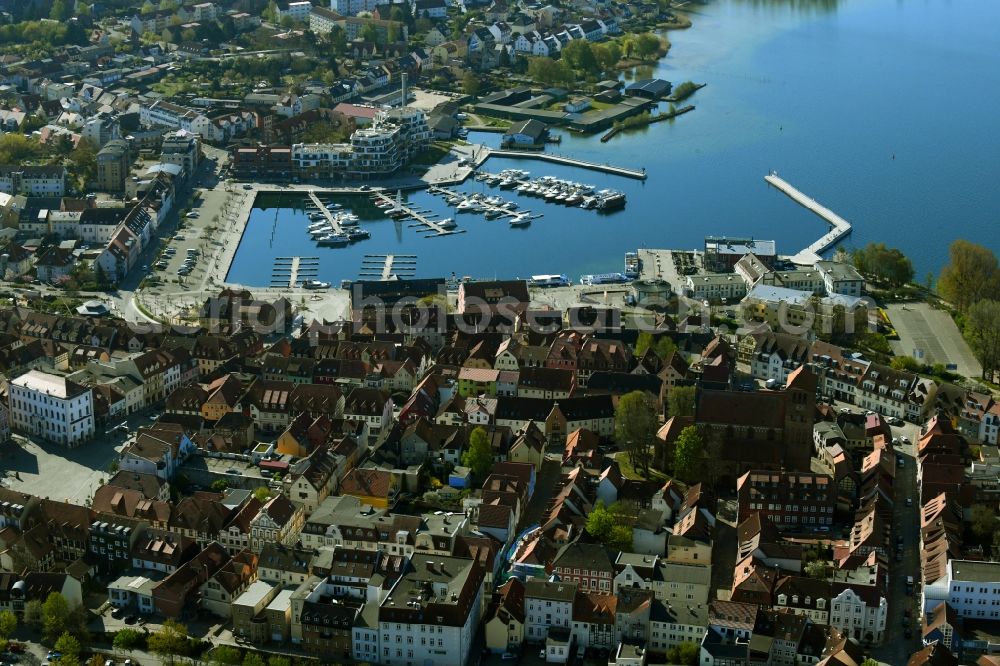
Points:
[[932, 331]]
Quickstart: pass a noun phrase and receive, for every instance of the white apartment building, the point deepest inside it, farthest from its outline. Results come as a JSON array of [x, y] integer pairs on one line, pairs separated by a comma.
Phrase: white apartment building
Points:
[[412, 123], [33, 181], [321, 160], [171, 115], [51, 407], [547, 604], [857, 616], [375, 151], [432, 613], [971, 588], [297, 11], [352, 7], [716, 286], [840, 278]]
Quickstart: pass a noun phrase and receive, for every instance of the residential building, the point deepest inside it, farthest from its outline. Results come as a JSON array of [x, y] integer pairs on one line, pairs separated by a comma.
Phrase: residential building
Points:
[[113, 162]]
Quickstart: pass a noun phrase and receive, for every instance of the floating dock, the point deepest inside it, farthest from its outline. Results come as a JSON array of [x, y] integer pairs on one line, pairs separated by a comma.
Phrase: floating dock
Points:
[[289, 271], [499, 211], [637, 174], [335, 226], [430, 225], [841, 227], [387, 266]]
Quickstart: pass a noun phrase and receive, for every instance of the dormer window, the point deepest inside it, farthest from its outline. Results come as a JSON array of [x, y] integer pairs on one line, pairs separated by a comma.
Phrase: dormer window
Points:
[[782, 600]]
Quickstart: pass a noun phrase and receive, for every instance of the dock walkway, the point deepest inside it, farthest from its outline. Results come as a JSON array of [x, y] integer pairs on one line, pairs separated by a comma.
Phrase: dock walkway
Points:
[[841, 227], [432, 226], [638, 174], [391, 266], [335, 226]]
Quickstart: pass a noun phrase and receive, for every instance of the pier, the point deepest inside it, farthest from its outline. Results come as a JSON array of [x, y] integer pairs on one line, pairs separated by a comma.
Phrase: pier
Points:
[[637, 174], [289, 271], [426, 220], [387, 266], [498, 211], [841, 227], [335, 226]]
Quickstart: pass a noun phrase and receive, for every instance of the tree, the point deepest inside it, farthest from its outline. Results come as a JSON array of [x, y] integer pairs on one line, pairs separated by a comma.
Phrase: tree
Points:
[[818, 569], [369, 33], [635, 427], [33, 614], [219, 485], [479, 456], [906, 363], [870, 662], [548, 71], [982, 329], [169, 642], [226, 655], [8, 624], [262, 494], [60, 11], [611, 526], [270, 13], [608, 55], [983, 523], [686, 653], [127, 640], [338, 39], [663, 346], [55, 616], [68, 645], [681, 401], [646, 45], [278, 660], [689, 454], [148, 7], [886, 265], [971, 275], [253, 659], [580, 56], [470, 84]]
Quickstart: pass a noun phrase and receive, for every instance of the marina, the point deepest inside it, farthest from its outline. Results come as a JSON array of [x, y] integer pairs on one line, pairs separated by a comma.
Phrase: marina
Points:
[[841, 227]]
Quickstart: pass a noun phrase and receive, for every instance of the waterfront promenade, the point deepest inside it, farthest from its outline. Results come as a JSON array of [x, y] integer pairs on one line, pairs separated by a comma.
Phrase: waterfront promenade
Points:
[[841, 227]]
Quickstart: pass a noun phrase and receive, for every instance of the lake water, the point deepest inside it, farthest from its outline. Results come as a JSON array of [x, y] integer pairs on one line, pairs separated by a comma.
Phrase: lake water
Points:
[[884, 111]]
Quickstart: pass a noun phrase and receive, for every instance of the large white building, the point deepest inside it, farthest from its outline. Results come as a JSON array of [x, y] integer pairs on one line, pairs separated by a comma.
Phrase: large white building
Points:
[[971, 588], [297, 11], [859, 612], [51, 407], [431, 614], [33, 181], [353, 7], [171, 115]]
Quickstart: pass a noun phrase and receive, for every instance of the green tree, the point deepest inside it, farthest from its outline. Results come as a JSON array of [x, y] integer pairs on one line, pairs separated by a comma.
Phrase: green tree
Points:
[[55, 616], [33, 614], [681, 401], [983, 523], [219, 485], [369, 33], [887, 265], [686, 653], [127, 640], [580, 56], [607, 55], [689, 455], [68, 645], [262, 494], [982, 328], [270, 13], [906, 363], [338, 40], [870, 662], [170, 642], [147, 8], [646, 44], [972, 274], [470, 83], [610, 525], [278, 660], [635, 427], [226, 655], [550, 72], [8, 624], [60, 11], [665, 347], [253, 659], [479, 456], [325, 132]]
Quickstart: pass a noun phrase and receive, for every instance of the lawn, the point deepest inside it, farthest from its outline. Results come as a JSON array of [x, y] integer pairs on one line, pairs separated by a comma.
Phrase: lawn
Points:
[[629, 472]]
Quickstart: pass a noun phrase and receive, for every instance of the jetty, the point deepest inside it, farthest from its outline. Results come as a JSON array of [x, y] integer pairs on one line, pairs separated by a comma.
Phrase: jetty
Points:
[[841, 227], [387, 266], [290, 271], [497, 211], [637, 174], [653, 119], [428, 221], [335, 226]]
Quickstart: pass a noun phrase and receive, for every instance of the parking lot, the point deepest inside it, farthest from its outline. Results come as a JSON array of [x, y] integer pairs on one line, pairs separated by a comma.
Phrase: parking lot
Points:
[[922, 327], [53, 471]]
